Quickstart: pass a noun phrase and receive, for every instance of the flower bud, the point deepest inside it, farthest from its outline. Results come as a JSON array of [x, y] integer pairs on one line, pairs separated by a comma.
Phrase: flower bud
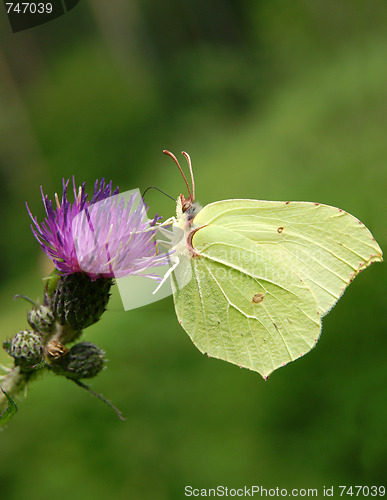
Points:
[[41, 319], [78, 301], [83, 360], [26, 348]]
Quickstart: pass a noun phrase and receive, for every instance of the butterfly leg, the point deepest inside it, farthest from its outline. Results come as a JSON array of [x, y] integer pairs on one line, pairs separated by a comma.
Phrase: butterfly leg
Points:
[[169, 222], [167, 275]]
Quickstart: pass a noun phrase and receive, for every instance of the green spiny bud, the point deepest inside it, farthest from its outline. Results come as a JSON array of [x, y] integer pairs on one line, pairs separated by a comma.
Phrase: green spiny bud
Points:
[[78, 301], [26, 348], [41, 319], [83, 360]]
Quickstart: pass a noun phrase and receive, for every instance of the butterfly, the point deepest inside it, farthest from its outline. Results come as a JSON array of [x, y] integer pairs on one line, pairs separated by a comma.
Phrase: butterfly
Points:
[[253, 279]]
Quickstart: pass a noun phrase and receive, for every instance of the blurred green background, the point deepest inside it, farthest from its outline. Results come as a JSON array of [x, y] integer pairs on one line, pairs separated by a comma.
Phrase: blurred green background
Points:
[[273, 100]]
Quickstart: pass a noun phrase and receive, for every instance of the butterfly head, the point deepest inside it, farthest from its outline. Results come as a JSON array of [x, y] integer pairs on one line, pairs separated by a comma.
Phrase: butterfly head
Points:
[[187, 209]]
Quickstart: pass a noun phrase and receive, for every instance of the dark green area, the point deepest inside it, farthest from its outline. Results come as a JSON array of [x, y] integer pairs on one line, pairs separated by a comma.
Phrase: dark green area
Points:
[[273, 100]]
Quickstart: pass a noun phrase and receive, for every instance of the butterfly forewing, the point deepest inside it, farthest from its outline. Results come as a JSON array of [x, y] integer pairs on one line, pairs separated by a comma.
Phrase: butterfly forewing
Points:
[[324, 245]]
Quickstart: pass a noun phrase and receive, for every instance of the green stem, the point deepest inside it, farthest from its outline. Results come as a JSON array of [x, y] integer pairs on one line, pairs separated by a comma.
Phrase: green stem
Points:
[[25, 298], [99, 396], [65, 334]]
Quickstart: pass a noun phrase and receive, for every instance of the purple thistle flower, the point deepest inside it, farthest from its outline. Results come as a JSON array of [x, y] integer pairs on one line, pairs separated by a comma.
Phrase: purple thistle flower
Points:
[[102, 237]]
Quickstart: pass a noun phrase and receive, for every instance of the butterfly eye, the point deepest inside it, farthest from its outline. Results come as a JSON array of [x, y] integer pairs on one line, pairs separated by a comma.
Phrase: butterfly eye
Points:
[[185, 207]]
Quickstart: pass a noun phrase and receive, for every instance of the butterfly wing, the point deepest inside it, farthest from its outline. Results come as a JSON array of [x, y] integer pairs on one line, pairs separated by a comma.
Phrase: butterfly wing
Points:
[[324, 245], [243, 305], [263, 275]]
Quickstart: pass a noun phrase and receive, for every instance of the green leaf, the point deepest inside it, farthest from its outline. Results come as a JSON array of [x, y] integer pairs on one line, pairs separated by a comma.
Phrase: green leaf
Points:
[[50, 282], [11, 410]]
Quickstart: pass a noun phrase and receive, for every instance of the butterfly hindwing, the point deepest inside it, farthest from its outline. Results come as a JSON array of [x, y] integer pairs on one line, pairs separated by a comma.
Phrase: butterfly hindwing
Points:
[[243, 305]]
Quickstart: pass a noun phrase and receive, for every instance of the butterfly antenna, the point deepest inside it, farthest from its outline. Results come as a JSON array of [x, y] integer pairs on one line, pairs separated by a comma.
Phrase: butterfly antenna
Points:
[[188, 158], [158, 189], [181, 171]]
